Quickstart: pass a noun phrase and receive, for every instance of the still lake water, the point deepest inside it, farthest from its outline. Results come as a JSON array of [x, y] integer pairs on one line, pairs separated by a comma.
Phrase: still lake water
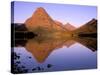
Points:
[[74, 57]]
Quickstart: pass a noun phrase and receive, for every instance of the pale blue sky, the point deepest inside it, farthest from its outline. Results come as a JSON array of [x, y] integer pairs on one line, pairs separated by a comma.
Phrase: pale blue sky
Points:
[[77, 15]]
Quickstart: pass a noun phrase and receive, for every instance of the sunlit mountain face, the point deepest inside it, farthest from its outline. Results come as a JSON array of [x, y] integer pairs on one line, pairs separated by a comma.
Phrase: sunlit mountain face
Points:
[[41, 44]]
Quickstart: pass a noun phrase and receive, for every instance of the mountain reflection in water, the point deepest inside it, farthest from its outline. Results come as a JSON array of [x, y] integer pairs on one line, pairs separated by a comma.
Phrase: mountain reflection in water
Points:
[[34, 52]]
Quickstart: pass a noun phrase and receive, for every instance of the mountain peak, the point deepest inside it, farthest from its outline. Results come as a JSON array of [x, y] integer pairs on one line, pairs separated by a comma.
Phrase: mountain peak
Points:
[[40, 11], [89, 27], [68, 23], [93, 19], [68, 26], [91, 22], [40, 18]]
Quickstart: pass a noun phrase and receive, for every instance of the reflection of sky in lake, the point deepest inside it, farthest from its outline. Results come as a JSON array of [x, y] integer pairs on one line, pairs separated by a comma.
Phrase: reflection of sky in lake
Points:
[[75, 57]]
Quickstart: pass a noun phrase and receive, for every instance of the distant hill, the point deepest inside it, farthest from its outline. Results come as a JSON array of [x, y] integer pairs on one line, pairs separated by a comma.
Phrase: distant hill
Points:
[[59, 26], [89, 27], [87, 34], [69, 27], [18, 27]]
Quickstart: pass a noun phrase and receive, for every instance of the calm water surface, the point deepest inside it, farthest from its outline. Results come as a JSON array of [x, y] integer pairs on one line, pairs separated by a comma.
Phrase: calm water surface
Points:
[[74, 57]]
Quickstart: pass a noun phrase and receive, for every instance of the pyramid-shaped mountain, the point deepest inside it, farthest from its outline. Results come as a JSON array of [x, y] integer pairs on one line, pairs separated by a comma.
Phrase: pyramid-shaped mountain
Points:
[[41, 18]]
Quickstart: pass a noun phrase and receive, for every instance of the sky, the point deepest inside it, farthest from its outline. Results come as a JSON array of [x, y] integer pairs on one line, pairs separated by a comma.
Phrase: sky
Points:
[[76, 15]]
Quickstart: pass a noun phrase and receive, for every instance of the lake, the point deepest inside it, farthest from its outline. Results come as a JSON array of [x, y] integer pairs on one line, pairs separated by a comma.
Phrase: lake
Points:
[[50, 55]]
